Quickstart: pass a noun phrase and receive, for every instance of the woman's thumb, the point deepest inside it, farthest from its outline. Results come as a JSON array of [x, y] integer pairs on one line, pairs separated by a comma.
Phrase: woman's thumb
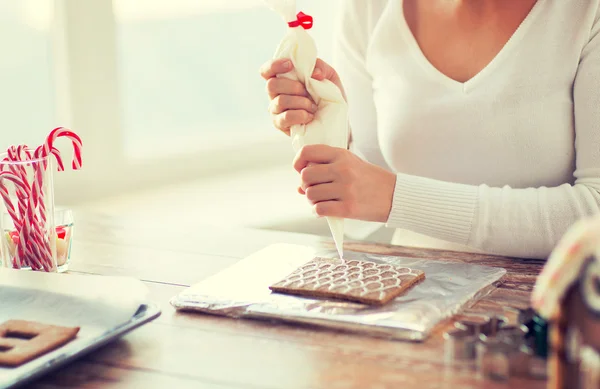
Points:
[[323, 71]]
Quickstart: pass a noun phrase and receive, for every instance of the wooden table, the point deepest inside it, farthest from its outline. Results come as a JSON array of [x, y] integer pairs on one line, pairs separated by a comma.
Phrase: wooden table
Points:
[[200, 351]]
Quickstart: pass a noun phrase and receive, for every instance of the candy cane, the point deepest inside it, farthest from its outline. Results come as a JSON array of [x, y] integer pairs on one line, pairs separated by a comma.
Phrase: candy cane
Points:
[[75, 139], [43, 249], [31, 219], [5, 175], [39, 168], [6, 197], [44, 151], [48, 148], [38, 153], [14, 155], [37, 193], [9, 205], [30, 239], [24, 149], [40, 247], [35, 240], [19, 254]]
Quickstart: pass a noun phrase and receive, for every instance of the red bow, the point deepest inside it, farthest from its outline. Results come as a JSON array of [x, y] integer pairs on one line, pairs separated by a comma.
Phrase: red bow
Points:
[[306, 21]]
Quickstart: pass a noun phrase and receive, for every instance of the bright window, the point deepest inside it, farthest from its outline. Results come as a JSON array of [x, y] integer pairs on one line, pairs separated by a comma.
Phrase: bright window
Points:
[[27, 92], [189, 70], [160, 91]]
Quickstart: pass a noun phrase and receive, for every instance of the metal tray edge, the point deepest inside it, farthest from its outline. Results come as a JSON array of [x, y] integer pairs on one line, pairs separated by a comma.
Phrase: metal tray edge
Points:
[[151, 312]]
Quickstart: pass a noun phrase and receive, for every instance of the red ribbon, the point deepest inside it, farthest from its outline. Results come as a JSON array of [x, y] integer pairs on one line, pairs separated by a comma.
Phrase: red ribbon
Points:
[[306, 21]]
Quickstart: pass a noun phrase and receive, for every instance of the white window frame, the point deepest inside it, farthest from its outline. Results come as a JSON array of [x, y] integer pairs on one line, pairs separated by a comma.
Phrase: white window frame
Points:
[[87, 100]]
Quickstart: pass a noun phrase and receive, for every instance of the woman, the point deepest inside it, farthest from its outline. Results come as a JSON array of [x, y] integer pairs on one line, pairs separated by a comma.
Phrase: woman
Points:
[[475, 124]]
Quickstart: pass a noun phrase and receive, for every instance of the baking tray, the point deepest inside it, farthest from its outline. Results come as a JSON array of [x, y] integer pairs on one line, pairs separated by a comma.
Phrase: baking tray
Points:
[[76, 349]]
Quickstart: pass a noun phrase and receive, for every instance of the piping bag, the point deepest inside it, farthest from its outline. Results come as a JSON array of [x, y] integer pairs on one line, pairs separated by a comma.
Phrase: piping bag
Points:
[[330, 123]]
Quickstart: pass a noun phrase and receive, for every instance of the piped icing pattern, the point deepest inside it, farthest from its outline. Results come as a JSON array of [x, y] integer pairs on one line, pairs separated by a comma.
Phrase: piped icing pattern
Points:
[[359, 280]]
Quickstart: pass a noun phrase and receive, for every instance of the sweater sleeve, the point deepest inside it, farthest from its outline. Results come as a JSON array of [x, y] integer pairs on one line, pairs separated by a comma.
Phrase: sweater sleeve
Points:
[[524, 222]]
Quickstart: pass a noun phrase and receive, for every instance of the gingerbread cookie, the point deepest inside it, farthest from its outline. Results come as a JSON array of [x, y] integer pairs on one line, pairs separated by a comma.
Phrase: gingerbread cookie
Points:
[[22, 341], [360, 281]]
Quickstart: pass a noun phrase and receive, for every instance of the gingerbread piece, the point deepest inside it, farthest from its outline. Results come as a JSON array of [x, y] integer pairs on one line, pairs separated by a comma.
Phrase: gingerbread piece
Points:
[[22, 341], [360, 281]]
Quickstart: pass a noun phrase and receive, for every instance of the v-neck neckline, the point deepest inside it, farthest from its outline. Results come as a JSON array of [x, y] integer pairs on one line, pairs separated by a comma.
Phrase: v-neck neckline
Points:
[[471, 83]]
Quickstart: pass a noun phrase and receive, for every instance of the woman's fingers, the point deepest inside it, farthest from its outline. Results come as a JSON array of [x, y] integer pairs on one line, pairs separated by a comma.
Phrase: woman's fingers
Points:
[[314, 154], [323, 192], [285, 86], [316, 174], [289, 118], [330, 208], [283, 103], [291, 104], [272, 68]]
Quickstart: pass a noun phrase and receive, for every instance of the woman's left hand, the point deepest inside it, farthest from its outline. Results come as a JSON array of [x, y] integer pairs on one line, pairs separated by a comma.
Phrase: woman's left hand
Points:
[[338, 183]]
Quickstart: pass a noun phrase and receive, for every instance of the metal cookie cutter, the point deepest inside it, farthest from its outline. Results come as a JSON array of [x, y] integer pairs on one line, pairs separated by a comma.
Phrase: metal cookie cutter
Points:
[[493, 357], [500, 350], [460, 343], [503, 352]]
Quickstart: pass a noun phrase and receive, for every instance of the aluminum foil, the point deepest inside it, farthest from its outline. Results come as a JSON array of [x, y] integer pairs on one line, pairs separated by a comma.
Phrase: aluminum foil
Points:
[[243, 291]]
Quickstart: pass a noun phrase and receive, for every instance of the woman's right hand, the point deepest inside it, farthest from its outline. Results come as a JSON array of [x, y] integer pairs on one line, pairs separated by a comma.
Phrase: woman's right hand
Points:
[[290, 102]]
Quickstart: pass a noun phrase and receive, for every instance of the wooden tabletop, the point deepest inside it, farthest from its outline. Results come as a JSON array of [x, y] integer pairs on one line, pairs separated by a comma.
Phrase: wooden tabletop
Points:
[[185, 350]]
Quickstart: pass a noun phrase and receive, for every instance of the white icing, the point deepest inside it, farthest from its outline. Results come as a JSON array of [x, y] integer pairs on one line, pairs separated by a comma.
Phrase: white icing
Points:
[[336, 225], [356, 278]]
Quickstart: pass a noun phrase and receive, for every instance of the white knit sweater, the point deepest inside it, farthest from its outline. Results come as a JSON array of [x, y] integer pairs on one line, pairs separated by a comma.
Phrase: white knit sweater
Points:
[[503, 163]]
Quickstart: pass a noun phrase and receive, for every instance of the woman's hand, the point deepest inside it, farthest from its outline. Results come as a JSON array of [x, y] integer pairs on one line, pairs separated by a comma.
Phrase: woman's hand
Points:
[[338, 183], [290, 102]]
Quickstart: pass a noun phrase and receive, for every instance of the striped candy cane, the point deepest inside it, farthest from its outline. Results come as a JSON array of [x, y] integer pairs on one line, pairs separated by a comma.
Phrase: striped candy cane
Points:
[[21, 227], [45, 150], [30, 219], [38, 153], [36, 206], [40, 246], [37, 243], [37, 249], [19, 252], [21, 192], [37, 193], [60, 132], [27, 241], [39, 168], [14, 155]]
